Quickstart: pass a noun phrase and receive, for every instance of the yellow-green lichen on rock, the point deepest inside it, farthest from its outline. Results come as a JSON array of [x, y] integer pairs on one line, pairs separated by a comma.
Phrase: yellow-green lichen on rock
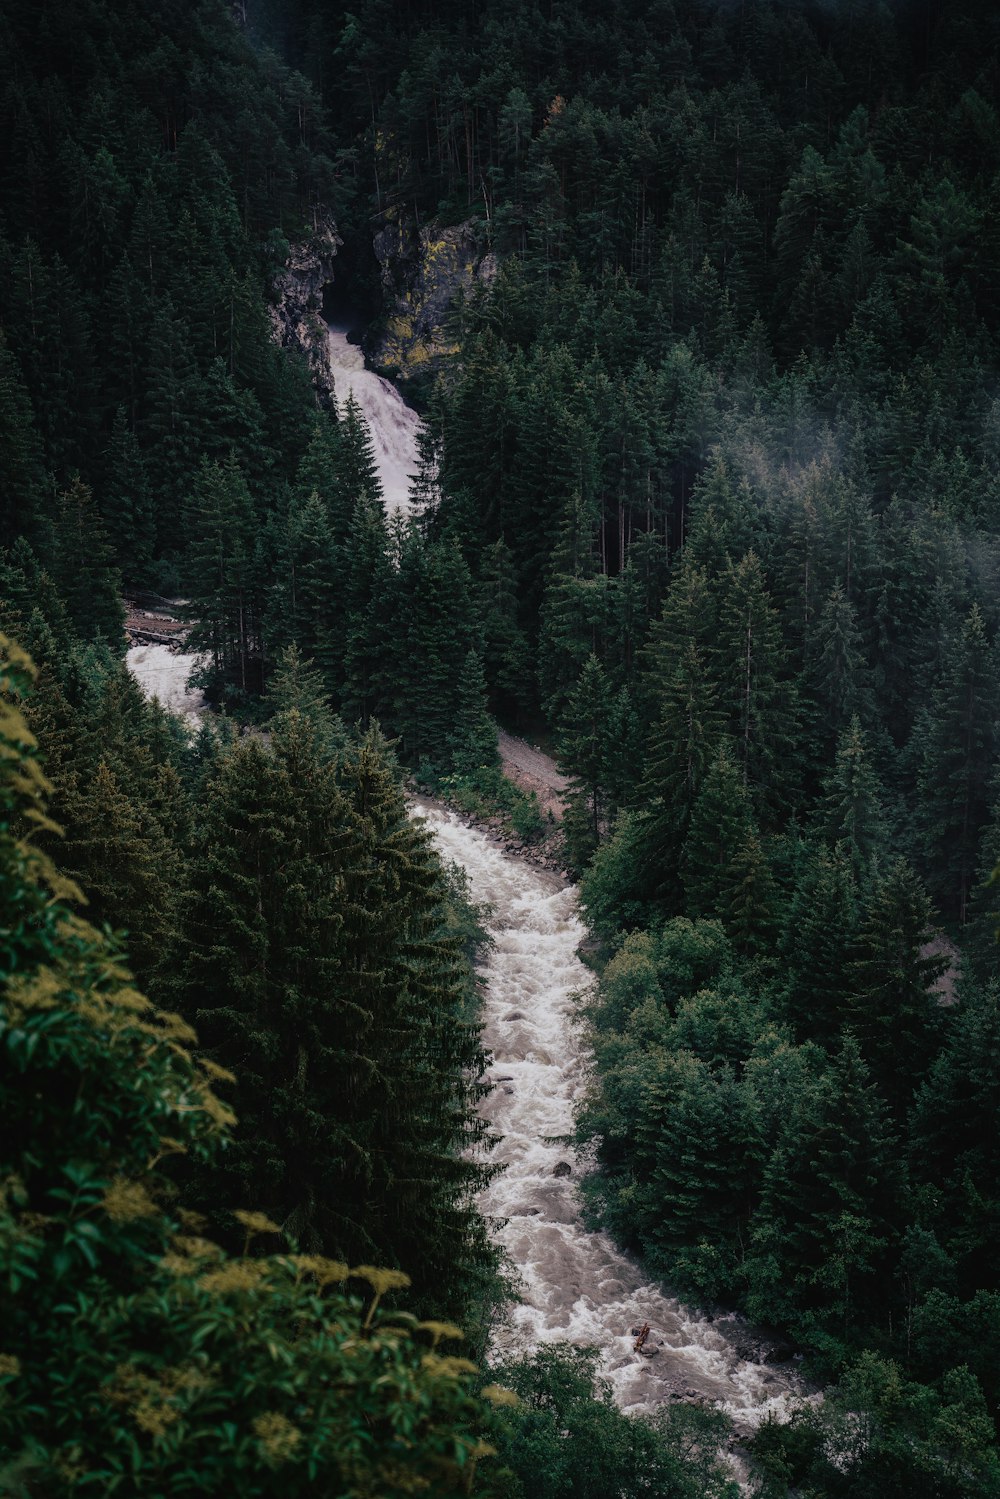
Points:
[[423, 273]]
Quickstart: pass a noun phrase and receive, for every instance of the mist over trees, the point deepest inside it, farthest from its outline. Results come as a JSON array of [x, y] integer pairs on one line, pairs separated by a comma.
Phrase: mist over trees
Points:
[[708, 499]]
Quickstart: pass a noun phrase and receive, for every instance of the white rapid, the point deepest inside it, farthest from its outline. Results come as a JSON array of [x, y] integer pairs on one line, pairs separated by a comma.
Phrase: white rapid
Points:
[[163, 672], [393, 425], [577, 1285]]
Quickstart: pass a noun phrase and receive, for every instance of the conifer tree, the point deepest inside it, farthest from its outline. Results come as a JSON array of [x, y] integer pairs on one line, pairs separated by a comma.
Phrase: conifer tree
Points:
[[321, 471], [369, 595], [222, 573], [682, 744], [306, 604], [823, 1232], [311, 955], [356, 461], [851, 810], [894, 1007], [957, 742], [819, 932], [474, 739], [583, 752], [126, 503], [84, 570], [505, 648], [721, 824], [953, 1144], [23, 504], [837, 671], [694, 1156], [756, 693]]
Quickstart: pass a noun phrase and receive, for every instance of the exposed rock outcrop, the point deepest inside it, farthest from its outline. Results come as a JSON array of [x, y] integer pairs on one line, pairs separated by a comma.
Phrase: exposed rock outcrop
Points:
[[297, 311], [423, 270]]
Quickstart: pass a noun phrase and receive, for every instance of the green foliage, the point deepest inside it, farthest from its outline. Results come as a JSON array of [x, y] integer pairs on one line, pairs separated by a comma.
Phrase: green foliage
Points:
[[313, 957], [488, 793], [567, 1439], [136, 1355], [881, 1433]]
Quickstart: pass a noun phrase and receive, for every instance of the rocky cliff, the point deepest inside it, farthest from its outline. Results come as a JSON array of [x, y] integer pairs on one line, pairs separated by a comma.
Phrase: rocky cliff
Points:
[[297, 311], [423, 271]]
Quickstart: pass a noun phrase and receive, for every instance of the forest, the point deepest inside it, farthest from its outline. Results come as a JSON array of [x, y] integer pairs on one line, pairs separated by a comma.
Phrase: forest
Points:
[[708, 504]]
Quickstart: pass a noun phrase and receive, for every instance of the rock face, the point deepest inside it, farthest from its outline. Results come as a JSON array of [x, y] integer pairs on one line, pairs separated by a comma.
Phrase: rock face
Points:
[[423, 271], [297, 312]]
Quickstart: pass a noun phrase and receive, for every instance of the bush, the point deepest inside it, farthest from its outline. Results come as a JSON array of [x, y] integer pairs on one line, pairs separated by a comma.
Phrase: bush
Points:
[[136, 1357]]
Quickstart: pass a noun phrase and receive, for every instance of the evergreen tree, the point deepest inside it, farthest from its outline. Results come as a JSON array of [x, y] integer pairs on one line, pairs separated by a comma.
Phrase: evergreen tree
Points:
[[957, 743], [895, 1012], [306, 604], [683, 742], [756, 694], [825, 1226], [126, 503], [356, 459], [852, 809], [222, 573], [474, 740], [721, 824], [583, 753], [819, 931], [953, 1141], [84, 570], [369, 595]]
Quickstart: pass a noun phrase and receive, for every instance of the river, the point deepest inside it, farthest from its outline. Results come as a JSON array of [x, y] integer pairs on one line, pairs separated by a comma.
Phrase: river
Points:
[[576, 1284]]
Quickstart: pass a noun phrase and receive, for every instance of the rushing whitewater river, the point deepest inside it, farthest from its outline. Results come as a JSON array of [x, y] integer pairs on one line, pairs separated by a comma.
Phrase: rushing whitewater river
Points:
[[393, 425], [577, 1285]]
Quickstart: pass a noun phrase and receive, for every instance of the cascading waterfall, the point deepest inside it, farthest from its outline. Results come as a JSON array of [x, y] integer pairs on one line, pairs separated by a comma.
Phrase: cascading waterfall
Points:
[[577, 1285], [162, 672], [393, 425]]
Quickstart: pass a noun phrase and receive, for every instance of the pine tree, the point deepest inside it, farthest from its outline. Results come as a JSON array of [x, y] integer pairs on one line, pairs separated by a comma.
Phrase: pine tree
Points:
[[823, 1233], [820, 929], [756, 694], [23, 503], [356, 462], [953, 1144], [306, 606], [957, 743], [851, 810], [320, 472], [583, 753], [894, 1007], [222, 573], [682, 744], [695, 1162], [296, 685], [721, 824], [84, 570], [370, 593], [505, 649], [474, 738], [121, 852], [837, 670], [126, 502]]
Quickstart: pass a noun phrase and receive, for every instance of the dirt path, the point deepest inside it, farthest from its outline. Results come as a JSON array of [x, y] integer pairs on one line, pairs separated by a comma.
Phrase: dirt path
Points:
[[530, 769]]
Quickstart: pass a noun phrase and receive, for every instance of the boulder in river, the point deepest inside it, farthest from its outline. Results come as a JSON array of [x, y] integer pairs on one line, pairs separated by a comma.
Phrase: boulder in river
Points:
[[562, 1168]]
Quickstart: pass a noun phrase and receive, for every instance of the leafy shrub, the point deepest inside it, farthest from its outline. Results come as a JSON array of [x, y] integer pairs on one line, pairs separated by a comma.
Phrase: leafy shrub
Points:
[[136, 1357]]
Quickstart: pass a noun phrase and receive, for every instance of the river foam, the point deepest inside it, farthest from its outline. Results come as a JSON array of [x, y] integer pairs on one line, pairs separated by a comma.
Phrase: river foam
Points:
[[393, 425], [576, 1284]]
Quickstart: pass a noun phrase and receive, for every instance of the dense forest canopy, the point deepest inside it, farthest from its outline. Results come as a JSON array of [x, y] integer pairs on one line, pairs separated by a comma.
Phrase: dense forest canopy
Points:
[[707, 496]]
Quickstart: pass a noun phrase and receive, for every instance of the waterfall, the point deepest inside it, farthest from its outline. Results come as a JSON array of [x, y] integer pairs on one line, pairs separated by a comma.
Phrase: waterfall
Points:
[[393, 425]]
